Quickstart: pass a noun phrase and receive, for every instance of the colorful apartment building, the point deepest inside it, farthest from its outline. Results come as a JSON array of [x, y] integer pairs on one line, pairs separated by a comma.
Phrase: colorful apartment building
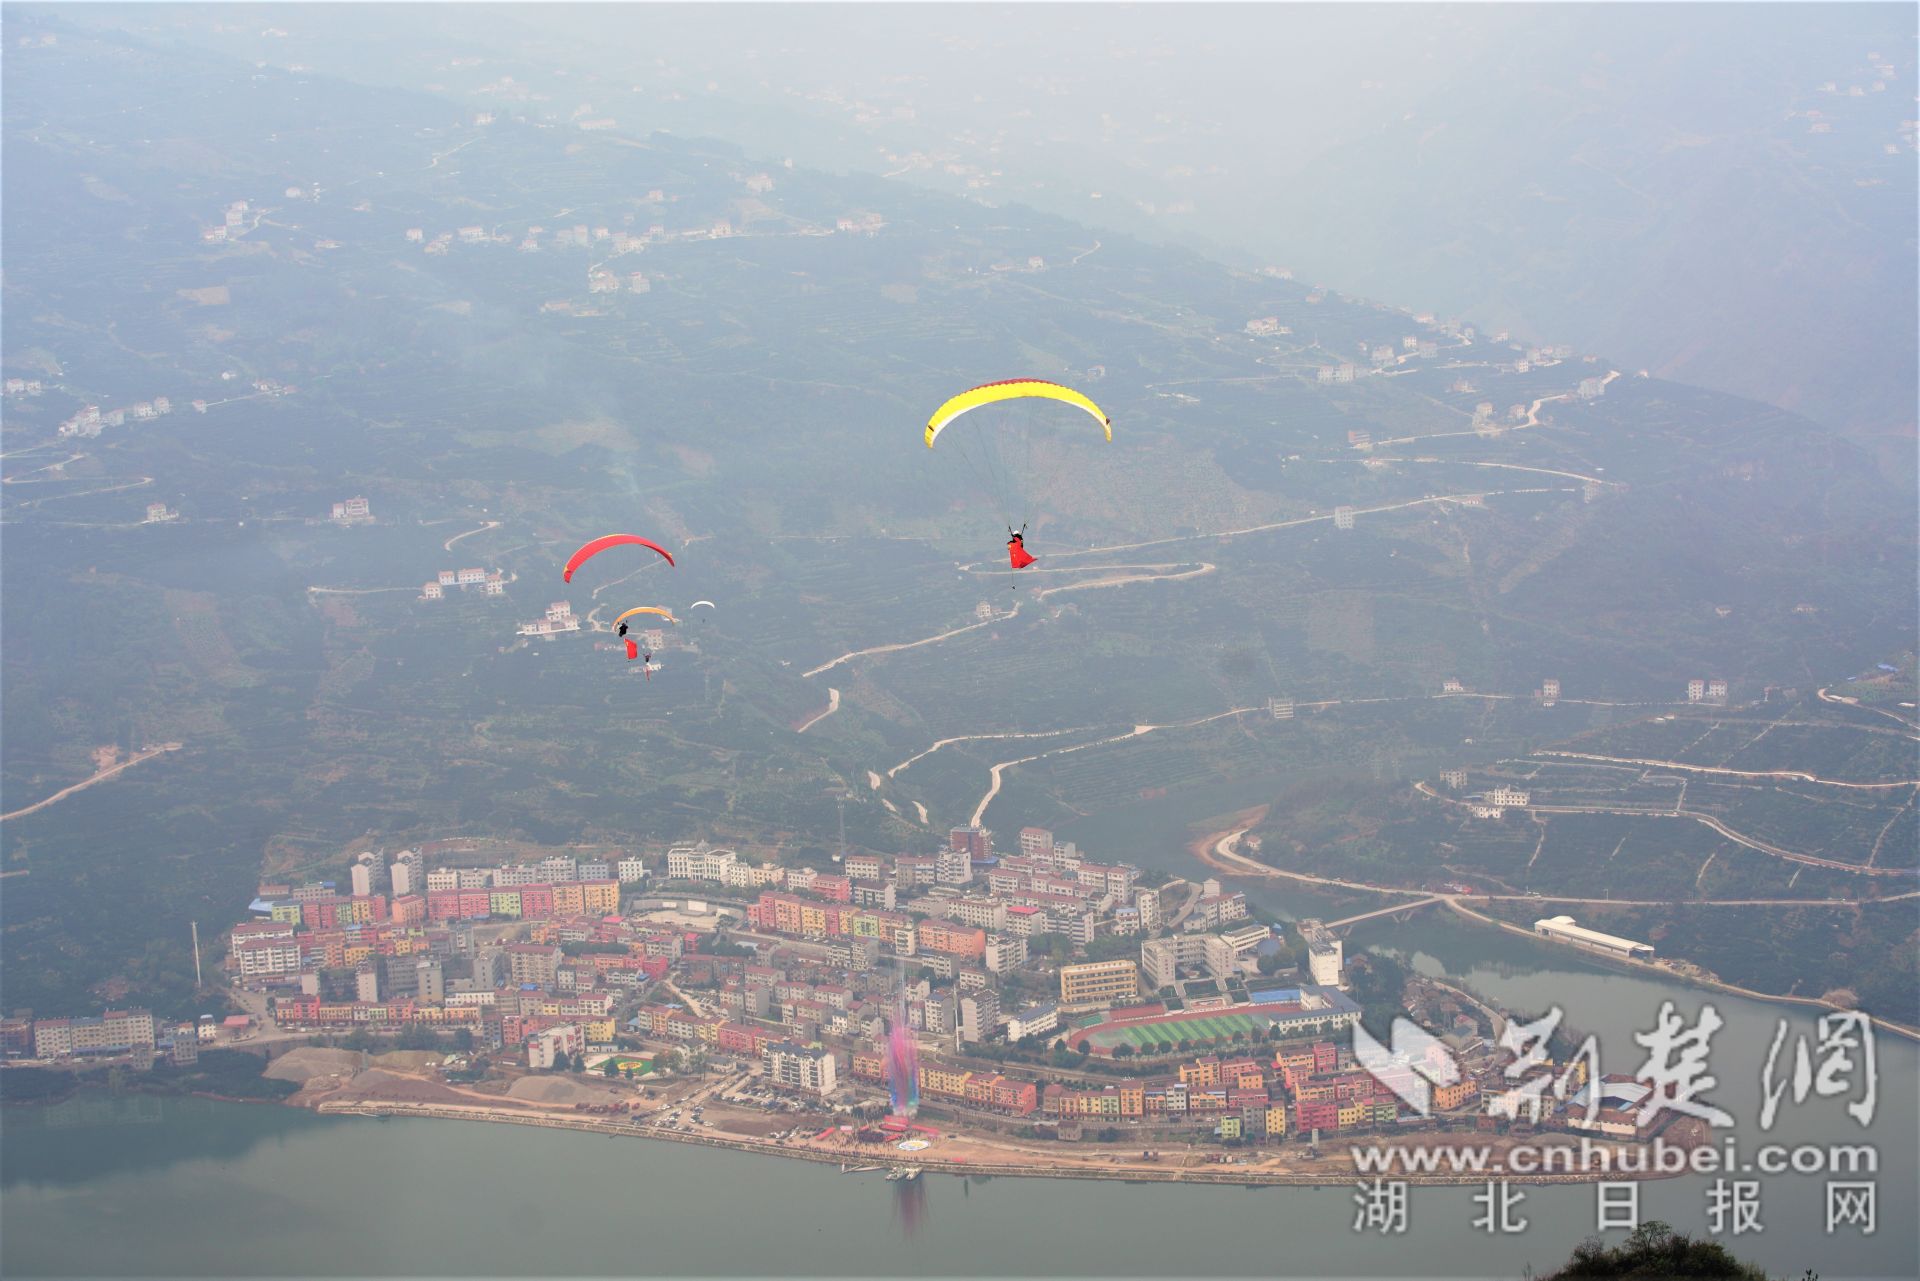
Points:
[[949, 939]]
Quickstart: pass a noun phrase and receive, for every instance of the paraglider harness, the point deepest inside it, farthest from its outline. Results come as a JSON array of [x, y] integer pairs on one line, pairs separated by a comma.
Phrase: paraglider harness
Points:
[[1017, 548]]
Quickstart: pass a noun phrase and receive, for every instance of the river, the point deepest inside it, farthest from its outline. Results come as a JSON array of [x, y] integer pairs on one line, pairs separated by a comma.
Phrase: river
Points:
[[123, 1186]]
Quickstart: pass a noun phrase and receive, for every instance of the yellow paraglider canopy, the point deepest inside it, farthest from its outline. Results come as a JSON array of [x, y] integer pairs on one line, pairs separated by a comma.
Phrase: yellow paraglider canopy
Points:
[[645, 609], [1011, 389]]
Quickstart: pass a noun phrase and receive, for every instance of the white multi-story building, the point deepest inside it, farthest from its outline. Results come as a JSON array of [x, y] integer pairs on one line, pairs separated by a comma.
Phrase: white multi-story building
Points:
[[1005, 953], [743, 875], [953, 867], [559, 618], [407, 873], [1033, 1022], [1147, 903], [913, 870], [988, 914], [1326, 955], [1247, 938], [1037, 1021], [1218, 909], [1116, 879], [115, 1032], [631, 870], [266, 958], [1161, 960], [699, 862], [52, 1038], [979, 1015], [544, 1047], [795, 1067]]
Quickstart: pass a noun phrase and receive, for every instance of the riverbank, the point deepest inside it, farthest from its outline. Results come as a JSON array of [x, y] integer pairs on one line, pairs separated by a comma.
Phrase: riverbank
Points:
[[1338, 1172], [1219, 849]]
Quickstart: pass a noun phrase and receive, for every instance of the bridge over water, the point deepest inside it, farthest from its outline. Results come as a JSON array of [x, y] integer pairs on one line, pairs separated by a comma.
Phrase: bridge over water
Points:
[[1395, 910]]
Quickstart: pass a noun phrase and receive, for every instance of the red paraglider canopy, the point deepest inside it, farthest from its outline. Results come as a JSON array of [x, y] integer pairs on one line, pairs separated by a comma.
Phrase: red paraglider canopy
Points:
[[599, 545]]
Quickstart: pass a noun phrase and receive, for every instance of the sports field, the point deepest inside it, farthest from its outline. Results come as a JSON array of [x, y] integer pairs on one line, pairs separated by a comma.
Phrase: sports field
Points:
[[1156, 1036]]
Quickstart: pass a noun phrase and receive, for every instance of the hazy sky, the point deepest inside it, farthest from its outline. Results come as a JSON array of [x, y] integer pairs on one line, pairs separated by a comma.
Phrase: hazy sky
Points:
[[1695, 189]]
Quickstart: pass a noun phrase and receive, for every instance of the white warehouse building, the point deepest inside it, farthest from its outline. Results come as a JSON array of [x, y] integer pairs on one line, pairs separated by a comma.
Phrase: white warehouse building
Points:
[[1563, 929]]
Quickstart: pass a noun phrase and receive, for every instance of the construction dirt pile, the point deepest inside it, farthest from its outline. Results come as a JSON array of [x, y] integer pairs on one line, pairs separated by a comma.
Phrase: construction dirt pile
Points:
[[559, 1089], [379, 1086], [308, 1061]]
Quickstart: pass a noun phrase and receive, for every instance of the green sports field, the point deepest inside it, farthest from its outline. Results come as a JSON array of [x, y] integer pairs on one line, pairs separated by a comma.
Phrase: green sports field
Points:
[[1155, 1037]]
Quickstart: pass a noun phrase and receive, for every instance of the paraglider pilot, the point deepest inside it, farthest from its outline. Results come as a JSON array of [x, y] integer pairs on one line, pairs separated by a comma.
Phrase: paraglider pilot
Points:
[[1017, 554]]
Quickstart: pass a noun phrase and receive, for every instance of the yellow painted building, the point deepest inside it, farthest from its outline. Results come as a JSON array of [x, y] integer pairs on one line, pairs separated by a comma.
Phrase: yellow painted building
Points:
[[1099, 981], [1200, 1074], [944, 1081]]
